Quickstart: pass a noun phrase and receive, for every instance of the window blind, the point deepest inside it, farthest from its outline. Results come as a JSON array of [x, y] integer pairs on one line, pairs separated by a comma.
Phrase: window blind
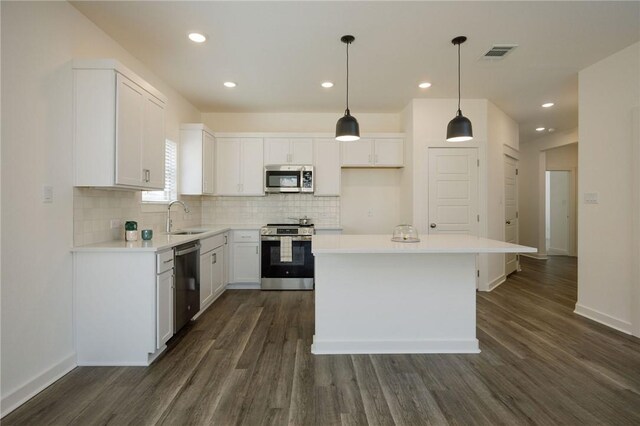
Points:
[[170, 177]]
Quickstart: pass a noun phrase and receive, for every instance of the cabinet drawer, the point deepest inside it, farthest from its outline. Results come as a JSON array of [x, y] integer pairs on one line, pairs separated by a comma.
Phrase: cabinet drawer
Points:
[[164, 261], [245, 236], [208, 244]]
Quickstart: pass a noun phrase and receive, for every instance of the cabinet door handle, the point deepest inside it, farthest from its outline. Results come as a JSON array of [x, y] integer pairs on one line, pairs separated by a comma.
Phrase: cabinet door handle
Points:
[[215, 258], [225, 240]]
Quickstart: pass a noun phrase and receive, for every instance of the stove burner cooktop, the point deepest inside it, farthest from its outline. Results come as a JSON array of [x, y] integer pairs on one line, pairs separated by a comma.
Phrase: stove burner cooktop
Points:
[[282, 225]]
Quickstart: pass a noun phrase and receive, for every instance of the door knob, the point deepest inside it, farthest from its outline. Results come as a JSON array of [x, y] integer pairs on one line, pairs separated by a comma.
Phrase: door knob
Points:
[[433, 225], [508, 222]]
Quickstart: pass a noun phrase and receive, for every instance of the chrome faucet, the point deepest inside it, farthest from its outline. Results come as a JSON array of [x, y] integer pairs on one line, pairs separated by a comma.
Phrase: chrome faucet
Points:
[[169, 222]]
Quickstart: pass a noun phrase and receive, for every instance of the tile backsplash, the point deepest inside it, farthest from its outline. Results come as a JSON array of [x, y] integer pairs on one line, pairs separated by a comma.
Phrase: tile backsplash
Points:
[[272, 208], [94, 209]]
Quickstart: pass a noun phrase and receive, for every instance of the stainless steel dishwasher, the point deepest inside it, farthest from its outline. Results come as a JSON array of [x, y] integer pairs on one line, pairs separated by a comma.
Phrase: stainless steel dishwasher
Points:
[[186, 297]]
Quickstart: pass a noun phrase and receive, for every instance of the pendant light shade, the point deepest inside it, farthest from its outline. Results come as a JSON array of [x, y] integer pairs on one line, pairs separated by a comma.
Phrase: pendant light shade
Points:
[[347, 127], [459, 129]]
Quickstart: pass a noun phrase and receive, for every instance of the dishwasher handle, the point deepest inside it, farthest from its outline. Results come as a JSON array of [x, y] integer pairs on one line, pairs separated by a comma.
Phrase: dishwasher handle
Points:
[[182, 251]]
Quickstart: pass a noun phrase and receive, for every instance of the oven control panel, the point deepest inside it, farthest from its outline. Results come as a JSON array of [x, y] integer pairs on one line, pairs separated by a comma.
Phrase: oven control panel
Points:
[[290, 230]]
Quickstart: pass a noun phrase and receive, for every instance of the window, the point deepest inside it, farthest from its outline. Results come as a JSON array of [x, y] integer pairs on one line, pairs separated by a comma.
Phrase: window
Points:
[[170, 177]]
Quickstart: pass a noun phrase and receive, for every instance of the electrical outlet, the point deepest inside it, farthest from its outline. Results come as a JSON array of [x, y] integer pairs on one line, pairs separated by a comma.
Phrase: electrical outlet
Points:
[[370, 214], [116, 223]]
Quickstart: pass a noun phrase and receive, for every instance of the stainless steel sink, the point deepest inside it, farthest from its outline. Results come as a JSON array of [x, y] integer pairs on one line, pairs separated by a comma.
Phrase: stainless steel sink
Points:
[[187, 232]]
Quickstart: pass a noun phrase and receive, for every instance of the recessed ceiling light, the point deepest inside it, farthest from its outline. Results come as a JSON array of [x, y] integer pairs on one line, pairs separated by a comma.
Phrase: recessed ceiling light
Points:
[[327, 84], [229, 84], [548, 105], [551, 129], [424, 85], [197, 37], [539, 129]]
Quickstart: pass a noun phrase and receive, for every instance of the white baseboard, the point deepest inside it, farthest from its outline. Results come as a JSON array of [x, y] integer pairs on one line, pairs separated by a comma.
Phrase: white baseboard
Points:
[[495, 283], [603, 318], [467, 346], [243, 286], [537, 256], [36, 385]]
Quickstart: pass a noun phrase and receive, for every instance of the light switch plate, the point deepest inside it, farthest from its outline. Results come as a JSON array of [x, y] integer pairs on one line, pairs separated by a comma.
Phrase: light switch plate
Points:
[[591, 198], [47, 194]]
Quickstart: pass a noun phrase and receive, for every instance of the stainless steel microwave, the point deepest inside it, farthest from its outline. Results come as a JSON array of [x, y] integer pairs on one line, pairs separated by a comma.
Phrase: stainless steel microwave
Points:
[[287, 178]]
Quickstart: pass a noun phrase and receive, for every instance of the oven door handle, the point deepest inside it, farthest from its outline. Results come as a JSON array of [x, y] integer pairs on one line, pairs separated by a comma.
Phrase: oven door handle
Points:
[[293, 238]]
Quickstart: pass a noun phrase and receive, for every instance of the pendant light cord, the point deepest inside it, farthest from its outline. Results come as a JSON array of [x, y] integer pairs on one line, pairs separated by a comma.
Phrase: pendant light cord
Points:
[[348, 77], [459, 77]]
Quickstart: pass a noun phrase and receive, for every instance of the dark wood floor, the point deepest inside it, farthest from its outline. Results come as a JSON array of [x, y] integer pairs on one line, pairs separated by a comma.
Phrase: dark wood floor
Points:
[[247, 361]]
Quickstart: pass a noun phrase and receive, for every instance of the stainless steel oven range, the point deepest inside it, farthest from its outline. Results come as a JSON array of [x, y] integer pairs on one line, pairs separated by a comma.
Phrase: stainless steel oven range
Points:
[[287, 262]]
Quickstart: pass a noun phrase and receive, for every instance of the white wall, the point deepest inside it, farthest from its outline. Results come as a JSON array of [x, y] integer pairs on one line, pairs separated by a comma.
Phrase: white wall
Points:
[[370, 197], [531, 181], [609, 93], [430, 119], [38, 42], [502, 138]]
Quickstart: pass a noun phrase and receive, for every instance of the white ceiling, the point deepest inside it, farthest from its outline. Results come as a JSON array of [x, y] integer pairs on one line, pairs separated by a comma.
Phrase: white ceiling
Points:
[[280, 52]]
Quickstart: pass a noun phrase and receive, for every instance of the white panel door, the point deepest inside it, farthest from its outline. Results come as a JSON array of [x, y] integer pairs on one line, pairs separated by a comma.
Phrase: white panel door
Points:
[[453, 191], [206, 279], [326, 171], [388, 152], [227, 160], [357, 153], [129, 118], [246, 263], [252, 168], [208, 163], [559, 213], [164, 308], [276, 151], [153, 143], [301, 151], [217, 271], [511, 211]]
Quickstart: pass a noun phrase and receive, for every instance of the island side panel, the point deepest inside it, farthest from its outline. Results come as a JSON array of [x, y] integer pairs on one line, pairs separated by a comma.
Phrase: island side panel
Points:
[[114, 300], [395, 303]]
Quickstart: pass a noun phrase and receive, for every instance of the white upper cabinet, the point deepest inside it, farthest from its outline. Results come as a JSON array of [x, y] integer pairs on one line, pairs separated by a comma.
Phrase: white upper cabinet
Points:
[[197, 166], [239, 166], [119, 133], [382, 152], [326, 170], [288, 151]]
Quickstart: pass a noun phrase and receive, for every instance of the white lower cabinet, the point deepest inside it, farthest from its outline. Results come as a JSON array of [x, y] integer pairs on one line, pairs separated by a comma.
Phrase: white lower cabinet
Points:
[[164, 307], [245, 257], [123, 306], [212, 268]]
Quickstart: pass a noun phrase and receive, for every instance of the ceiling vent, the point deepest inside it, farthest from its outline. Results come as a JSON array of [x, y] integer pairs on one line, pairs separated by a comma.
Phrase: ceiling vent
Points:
[[499, 51]]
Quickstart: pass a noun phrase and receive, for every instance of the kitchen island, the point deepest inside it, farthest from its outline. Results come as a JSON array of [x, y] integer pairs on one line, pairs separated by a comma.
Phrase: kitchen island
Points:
[[375, 296]]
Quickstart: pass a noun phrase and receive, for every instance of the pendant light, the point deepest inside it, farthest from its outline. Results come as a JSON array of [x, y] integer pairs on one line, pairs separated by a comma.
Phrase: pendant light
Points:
[[459, 129], [347, 128]]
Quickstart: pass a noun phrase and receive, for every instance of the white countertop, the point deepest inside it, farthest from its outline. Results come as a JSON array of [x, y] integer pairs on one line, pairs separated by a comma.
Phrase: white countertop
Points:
[[164, 241], [450, 243]]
